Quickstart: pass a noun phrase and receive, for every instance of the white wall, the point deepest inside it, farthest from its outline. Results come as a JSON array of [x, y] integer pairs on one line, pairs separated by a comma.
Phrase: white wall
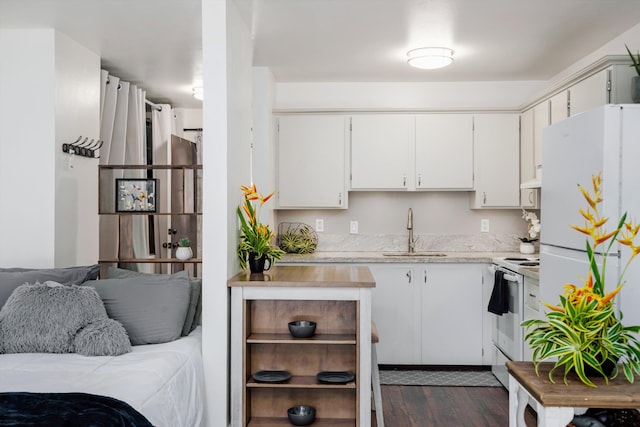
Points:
[[226, 122], [48, 210], [404, 95], [77, 112]]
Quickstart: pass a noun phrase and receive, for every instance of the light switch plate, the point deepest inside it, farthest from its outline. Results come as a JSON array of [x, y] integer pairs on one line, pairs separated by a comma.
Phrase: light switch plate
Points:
[[484, 225], [353, 227], [319, 225]]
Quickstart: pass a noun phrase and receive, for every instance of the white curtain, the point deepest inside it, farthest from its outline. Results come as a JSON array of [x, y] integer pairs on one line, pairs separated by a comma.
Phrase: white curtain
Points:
[[161, 119], [123, 131]]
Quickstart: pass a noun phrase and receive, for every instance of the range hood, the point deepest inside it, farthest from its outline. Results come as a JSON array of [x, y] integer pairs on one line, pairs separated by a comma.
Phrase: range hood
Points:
[[532, 183]]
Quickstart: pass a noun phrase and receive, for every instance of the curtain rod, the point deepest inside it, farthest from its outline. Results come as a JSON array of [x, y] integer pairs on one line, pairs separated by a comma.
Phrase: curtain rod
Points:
[[154, 106]]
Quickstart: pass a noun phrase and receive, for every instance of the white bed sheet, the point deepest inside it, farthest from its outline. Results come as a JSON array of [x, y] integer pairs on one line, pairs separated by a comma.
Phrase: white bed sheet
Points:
[[164, 382]]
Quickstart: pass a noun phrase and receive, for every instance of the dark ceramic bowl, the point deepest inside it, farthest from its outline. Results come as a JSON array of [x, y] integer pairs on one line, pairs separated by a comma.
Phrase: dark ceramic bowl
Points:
[[301, 415], [302, 328]]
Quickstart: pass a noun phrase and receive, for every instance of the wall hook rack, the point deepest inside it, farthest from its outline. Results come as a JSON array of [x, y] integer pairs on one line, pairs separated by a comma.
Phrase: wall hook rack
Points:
[[85, 148]]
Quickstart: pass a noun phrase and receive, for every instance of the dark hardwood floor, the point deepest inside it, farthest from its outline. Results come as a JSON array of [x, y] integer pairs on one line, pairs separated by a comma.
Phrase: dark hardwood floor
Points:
[[422, 406]]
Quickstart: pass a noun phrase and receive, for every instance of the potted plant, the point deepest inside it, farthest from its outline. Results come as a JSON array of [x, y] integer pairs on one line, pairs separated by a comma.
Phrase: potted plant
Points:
[[584, 333], [635, 81], [526, 245], [184, 249], [254, 247]]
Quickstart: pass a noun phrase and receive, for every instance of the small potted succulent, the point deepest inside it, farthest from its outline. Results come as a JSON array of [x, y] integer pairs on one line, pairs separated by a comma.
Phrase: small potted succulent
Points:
[[184, 249]]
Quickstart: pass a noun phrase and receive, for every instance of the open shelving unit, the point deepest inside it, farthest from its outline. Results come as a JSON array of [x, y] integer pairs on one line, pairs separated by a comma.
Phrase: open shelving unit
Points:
[[179, 213], [261, 341]]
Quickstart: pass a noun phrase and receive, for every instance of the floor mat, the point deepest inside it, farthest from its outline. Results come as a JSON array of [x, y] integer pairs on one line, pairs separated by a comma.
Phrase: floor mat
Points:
[[439, 378]]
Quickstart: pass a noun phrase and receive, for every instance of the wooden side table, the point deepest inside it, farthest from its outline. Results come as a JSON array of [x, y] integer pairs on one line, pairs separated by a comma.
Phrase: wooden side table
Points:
[[557, 402]]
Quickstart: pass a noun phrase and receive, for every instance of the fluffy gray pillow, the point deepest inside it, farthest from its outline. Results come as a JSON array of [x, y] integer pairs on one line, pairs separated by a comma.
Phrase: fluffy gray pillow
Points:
[[45, 318], [11, 278], [104, 337], [151, 308], [192, 319]]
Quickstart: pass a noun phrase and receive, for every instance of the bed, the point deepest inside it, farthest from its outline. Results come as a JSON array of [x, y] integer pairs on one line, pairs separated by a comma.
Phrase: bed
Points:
[[158, 379]]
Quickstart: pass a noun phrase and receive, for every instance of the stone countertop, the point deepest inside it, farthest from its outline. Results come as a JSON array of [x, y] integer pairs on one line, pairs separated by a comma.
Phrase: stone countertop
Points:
[[378, 257]]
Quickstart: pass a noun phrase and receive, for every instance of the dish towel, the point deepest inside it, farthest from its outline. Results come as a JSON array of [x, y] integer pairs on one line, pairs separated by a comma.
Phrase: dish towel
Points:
[[499, 301]]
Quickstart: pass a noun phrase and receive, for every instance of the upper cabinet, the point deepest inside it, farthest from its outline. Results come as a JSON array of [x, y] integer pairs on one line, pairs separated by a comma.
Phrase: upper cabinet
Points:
[[311, 161], [380, 151], [496, 164], [559, 104], [412, 152], [444, 152], [608, 86]]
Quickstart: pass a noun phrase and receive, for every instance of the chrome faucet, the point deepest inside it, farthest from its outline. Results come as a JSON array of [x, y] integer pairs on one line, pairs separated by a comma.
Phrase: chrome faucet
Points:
[[412, 242]]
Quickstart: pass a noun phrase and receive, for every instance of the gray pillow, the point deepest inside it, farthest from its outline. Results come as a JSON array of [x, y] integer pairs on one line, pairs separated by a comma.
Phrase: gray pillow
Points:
[[45, 318], [151, 308], [11, 278], [104, 337], [192, 319]]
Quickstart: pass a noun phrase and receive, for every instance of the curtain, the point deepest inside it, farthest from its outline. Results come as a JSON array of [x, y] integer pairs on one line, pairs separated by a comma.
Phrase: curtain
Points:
[[122, 128]]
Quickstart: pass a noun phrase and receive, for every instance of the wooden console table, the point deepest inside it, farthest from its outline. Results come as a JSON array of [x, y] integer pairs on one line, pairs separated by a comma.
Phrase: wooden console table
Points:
[[557, 402], [339, 300]]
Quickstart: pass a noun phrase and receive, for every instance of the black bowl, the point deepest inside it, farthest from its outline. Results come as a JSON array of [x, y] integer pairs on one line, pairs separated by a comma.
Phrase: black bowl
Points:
[[302, 328], [301, 415]]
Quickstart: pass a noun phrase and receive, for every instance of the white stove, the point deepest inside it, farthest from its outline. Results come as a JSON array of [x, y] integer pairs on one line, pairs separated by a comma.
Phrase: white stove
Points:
[[516, 263]]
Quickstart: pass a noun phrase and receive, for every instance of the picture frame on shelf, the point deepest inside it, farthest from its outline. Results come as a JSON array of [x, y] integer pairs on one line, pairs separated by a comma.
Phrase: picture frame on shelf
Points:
[[136, 195]]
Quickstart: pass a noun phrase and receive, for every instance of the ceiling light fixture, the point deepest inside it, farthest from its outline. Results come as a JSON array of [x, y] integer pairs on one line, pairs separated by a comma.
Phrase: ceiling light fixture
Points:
[[197, 93], [430, 58]]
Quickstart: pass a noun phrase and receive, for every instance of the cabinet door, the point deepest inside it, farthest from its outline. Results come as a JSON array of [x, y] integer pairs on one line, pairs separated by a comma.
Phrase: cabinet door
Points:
[[527, 163], [496, 160], [589, 93], [311, 161], [396, 312], [452, 314], [444, 151], [559, 106], [541, 113], [380, 151]]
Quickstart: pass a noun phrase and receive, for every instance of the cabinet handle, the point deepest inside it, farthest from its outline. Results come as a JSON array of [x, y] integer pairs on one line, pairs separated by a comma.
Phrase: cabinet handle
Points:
[[419, 179], [340, 199], [532, 295], [409, 275], [425, 276], [484, 198], [404, 180], [531, 197]]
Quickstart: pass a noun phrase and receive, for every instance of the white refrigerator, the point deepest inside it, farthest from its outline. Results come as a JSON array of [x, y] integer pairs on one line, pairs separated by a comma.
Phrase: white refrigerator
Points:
[[604, 139]]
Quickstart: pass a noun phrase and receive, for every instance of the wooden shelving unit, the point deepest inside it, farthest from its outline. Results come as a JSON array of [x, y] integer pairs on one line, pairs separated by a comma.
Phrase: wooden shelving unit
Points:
[[178, 204], [261, 311]]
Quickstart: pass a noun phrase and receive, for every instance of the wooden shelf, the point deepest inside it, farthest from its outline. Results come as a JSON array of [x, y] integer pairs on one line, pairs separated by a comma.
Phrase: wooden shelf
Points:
[[154, 260], [159, 167], [284, 422], [301, 382], [150, 213], [339, 339]]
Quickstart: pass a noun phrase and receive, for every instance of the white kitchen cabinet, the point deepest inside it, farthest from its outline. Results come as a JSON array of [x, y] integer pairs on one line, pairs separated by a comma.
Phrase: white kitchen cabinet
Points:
[[311, 161], [444, 152], [528, 196], [429, 314], [380, 151], [609, 86], [541, 119], [452, 314], [496, 161], [559, 104], [395, 303]]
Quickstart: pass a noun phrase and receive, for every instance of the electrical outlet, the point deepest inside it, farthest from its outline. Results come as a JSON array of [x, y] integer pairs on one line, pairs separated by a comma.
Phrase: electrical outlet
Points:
[[319, 225], [484, 225], [353, 227]]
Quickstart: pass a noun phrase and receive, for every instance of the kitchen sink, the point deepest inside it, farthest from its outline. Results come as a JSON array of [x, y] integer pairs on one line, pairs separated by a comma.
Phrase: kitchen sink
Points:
[[414, 254]]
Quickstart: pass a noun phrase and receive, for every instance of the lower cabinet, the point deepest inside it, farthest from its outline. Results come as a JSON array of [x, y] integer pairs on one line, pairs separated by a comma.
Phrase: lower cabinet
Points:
[[429, 314]]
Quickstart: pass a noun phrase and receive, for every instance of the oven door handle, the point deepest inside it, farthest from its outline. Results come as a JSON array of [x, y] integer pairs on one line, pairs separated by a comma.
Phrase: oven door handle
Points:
[[510, 277]]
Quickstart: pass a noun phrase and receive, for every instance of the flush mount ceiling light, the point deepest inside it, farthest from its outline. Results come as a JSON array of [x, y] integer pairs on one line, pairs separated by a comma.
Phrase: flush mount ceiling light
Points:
[[430, 58], [197, 93]]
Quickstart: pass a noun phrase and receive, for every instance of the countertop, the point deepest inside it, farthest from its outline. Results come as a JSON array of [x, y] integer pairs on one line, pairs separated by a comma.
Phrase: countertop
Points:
[[378, 257], [307, 276]]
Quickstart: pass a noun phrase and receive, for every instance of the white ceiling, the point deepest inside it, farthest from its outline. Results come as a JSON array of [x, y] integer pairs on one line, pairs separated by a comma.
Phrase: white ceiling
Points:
[[157, 43]]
